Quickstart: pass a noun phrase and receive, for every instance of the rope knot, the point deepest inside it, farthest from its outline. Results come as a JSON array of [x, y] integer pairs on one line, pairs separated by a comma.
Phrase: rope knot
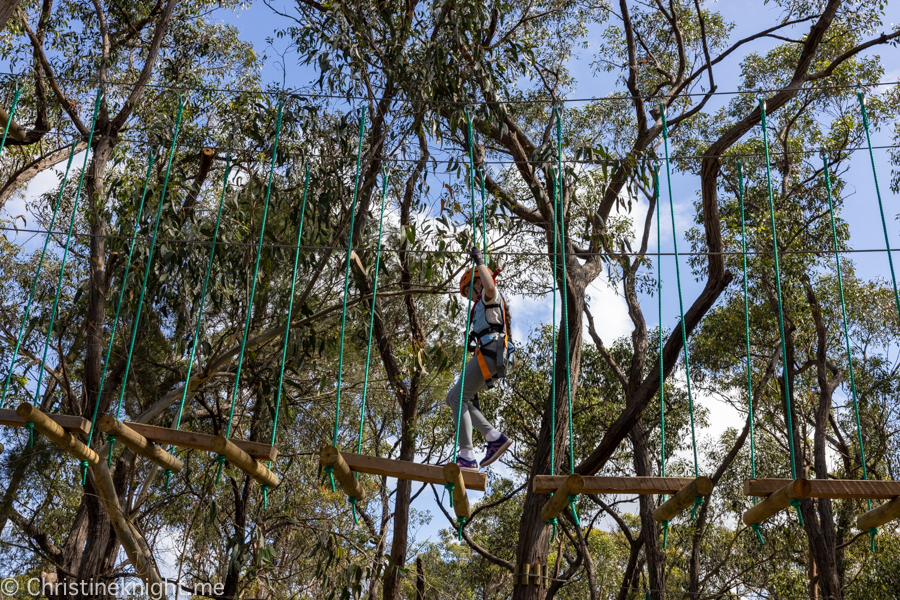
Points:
[[758, 532], [552, 522], [460, 521], [665, 528], [84, 468], [873, 531], [450, 487], [796, 504], [30, 427], [330, 470], [352, 502], [265, 491], [698, 501], [168, 477], [111, 440], [572, 500]]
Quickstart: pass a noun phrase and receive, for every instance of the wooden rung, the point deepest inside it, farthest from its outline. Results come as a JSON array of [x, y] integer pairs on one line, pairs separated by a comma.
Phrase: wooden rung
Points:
[[139, 444], [880, 515], [702, 486], [454, 475], [200, 441], [56, 434], [76, 425], [829, 488], [572, 485], [795, 489], [329, 456], [233, 454], [402, 469], [548, 484]]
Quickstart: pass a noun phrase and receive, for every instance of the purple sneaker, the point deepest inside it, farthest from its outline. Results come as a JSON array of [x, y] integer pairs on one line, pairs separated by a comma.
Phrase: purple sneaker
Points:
[[465, 463], [496, 449]]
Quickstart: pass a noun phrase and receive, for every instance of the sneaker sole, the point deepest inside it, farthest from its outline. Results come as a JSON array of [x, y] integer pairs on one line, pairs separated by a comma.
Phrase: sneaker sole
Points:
[[473, 469], [497, 454]]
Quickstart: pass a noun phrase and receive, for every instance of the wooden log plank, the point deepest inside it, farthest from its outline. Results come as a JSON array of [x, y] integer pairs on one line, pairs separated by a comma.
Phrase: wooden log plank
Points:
[[778, 501], [76, 425], [243, 461], [702, 486], [200, 441], [880, 515], [572, 485], [331, 457], [454, 475], [548, 484], [402, 469], [56, 434], [139, 444], [829, 488]]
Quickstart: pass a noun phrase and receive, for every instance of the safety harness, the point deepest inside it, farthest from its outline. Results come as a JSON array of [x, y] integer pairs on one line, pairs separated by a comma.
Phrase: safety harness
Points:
[[481, 351]]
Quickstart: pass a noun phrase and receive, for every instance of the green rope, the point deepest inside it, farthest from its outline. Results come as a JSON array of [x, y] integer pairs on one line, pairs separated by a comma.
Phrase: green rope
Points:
[[337, 408], [352, 502], [65, 256], [837, 266], [553, 278], [127, 267], [565, 290], [483, 218], [662, 373], [665, 528], [887, 243], [12, 113], [787, 388], [687, 364], [460, 521], [362, 407], [149, 266], [37, 274], [755, 526], [209, 264], [262, 233], [553, 522], [462, 375], [290, 313]]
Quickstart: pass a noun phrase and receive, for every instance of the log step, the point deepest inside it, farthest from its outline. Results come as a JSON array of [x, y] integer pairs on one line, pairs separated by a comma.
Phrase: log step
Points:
[[548, 484], [702, 486], [139, 444], [829, 488], [242, 460], [199, 441], [402, 469], [76, 425], [56, 434]]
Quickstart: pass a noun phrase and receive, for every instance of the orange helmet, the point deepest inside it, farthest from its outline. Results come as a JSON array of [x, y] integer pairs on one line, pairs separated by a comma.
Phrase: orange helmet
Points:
[[467, 278]]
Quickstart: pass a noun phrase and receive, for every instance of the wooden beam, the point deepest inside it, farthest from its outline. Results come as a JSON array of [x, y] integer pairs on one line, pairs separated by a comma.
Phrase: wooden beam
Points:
[[778, 501], [76, 425], [571, 486], [829, 488], [15, 132], [702, 486], [402, 469], [56, 434], [139, 444], [200, 441], [880, 515], [329, 456], [246, 463], [454, 475], [548, 484]]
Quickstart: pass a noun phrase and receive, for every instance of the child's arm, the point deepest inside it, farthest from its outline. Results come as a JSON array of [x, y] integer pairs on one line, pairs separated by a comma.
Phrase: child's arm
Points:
[[489, 292]]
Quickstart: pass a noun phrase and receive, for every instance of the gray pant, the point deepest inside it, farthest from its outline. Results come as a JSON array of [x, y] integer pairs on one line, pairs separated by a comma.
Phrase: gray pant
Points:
[[470, 415]]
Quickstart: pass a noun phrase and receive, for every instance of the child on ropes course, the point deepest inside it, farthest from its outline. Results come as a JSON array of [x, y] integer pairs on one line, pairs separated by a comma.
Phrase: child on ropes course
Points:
[[492, 357]]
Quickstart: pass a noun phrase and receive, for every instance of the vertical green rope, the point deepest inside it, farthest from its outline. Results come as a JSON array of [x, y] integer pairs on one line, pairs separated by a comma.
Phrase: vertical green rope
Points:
[[887, 242], [755, 526], [483, 218], [337, 409], [553, 211], [684, 339], [37, 274], [12, 113], [62, 268], [362, 406], [262, 232], [784, 360], [149, 266], [662, 373], [202, 301], [565, 309], [287, 333], [837, 266]]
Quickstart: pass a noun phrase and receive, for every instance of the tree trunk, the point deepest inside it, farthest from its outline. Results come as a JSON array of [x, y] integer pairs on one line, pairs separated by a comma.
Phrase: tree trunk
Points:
[[534, 534], [400, 540], [420, 579], [7, 8], [656, 557]]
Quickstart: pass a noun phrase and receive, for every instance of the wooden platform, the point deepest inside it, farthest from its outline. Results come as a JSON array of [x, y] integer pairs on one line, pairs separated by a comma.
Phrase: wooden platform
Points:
[[548, 484], [200, 441], [409, 470], [76, 425], [829, 488]]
